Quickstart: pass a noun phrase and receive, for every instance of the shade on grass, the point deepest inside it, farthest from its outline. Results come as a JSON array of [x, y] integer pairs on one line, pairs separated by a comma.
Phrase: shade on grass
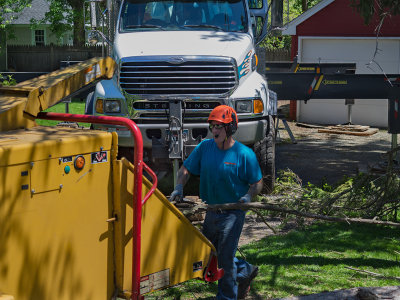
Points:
[[312, 260]]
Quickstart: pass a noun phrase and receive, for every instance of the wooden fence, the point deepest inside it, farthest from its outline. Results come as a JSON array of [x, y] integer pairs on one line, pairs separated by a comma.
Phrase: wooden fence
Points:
[[277, 55], [265, 55], [49, 58], [46, 58]]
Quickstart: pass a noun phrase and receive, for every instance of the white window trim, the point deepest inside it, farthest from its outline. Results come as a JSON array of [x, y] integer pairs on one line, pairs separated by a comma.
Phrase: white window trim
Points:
[[301, 38], [33, 36]]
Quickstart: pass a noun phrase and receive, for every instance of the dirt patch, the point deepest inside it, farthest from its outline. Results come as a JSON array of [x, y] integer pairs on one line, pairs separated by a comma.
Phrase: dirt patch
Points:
[[322, 157], [255, 229]]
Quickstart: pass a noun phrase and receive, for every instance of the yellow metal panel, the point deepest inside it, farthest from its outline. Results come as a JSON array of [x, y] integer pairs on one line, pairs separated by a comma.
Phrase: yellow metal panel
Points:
[[172, 248], [56, 244], [42, 143], [12, 114], [47, 175]]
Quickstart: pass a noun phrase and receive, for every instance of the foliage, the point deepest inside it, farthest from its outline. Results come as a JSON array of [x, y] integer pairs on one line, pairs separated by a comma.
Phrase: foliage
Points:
[[291, 11], [311, 260], [368, 8], [363, 196], [64, 16], [59, 16], [7, 80], [10, 10]]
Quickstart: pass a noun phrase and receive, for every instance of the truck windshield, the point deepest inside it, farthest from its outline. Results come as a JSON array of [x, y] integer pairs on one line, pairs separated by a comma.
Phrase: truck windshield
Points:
[[217, 15]]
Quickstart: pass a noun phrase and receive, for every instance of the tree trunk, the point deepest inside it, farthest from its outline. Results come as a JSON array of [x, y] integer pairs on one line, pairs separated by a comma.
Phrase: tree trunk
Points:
[[79, 26], [304, 5], [3, 50]]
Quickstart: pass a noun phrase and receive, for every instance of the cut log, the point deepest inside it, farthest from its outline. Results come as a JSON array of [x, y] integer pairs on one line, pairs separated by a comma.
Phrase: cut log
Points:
[[357, 133]]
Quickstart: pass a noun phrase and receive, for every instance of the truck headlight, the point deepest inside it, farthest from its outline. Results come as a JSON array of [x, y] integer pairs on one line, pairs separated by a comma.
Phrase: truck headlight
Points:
[[112, 106], [244, 106]]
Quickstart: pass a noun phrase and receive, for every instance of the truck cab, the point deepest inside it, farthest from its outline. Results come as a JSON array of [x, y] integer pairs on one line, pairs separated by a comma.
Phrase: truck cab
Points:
[[179, 59]]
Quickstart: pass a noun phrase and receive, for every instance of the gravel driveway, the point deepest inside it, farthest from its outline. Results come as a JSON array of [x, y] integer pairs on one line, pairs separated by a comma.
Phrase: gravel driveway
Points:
[[320, 156]]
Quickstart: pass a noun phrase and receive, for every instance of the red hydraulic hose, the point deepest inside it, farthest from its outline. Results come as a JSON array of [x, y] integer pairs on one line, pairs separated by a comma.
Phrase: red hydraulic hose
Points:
[[137, 185]]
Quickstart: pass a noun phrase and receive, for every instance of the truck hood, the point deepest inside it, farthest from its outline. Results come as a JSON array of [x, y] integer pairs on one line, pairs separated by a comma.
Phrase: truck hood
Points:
[[147, 43]]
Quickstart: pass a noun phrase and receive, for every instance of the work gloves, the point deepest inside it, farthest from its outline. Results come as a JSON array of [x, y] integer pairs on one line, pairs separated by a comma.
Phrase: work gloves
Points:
[[177, 194], [245, 199]]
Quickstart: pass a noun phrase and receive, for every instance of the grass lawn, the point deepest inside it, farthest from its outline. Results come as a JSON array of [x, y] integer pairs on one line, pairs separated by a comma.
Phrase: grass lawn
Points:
[[312, 260], [75, 107]]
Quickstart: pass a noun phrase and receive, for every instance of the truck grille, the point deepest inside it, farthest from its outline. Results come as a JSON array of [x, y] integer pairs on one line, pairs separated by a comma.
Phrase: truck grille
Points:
[[182, 76]]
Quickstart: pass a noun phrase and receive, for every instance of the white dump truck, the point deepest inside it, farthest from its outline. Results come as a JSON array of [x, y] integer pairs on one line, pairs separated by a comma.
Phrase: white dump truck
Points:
[[179, 59]]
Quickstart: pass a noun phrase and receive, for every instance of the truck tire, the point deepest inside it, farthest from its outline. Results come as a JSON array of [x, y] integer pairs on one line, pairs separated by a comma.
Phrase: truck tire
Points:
[[265, 152]]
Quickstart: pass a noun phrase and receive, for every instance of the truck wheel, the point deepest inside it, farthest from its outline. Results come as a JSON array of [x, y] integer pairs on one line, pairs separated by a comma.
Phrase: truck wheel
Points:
[[265, 152]]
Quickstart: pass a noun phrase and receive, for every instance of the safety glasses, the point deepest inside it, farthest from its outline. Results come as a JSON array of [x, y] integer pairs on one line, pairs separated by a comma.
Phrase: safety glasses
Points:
[[216, 126]]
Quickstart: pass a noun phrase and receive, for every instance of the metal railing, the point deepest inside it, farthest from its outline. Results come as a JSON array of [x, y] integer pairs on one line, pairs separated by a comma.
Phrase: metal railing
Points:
[[139, 165]]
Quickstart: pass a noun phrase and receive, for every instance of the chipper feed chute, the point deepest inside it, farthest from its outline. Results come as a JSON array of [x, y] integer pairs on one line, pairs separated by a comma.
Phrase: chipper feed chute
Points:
[[172, 249]]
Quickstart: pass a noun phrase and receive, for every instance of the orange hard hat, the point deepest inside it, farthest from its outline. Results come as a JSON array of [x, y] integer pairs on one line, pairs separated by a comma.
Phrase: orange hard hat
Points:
[[224, 114]]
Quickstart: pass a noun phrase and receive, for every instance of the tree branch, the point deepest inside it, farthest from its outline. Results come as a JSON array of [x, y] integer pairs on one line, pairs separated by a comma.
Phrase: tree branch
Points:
[[266, 206], [373, 274]]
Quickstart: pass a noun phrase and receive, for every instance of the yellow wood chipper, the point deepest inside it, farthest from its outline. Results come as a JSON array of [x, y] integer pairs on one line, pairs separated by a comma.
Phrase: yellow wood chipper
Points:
[[75, 221]]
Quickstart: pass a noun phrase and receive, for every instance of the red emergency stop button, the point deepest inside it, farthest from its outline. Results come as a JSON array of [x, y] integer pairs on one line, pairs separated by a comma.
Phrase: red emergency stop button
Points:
[[79, 162]]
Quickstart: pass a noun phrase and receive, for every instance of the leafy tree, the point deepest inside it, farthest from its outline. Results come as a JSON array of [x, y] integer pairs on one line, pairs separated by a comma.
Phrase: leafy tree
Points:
[[295, 9], [368, 8], [64, 16], [10, 10]]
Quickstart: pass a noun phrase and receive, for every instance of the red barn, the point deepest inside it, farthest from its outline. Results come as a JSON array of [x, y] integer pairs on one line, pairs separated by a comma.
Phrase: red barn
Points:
[[333, 32]]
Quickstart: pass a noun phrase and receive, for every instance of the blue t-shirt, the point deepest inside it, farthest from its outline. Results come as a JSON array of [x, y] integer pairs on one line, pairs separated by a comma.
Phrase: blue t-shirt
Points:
[[225, 175]]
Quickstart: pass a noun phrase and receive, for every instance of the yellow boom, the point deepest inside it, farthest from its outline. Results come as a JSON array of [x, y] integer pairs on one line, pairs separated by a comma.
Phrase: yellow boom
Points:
[[19, 103]]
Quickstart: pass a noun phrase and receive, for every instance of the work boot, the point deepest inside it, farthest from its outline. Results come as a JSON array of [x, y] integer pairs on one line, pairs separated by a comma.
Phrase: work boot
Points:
[[244, 285]]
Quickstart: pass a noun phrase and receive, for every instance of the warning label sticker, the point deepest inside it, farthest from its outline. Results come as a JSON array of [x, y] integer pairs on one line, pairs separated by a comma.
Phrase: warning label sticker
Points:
[[154, 281], [92, 73], [99, 157], [197, 266]]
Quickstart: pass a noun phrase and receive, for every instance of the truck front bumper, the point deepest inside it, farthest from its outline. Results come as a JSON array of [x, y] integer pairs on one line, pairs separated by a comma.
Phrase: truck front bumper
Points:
[[249, 132]]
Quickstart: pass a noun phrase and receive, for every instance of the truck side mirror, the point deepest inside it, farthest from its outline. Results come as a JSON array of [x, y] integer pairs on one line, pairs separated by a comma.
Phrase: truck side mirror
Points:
[[259, 18]]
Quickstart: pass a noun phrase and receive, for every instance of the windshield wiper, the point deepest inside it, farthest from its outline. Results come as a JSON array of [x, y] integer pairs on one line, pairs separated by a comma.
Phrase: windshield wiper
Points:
[[205, 26], [144, 26]]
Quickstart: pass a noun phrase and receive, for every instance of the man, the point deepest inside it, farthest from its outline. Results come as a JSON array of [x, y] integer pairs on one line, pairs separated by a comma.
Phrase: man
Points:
[[229, 173]]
